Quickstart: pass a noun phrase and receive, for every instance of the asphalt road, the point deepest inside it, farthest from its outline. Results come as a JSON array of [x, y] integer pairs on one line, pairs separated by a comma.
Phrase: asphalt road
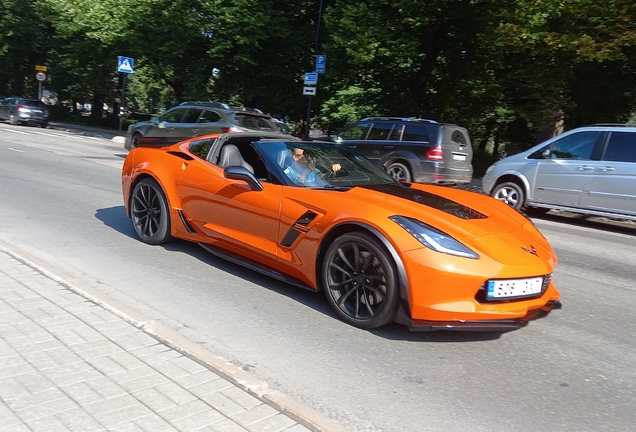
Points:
[[573, 370]]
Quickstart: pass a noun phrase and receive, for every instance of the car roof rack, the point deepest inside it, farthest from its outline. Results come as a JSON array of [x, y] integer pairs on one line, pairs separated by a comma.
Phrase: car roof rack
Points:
[[395, 118], [613, 124], [207, 104]]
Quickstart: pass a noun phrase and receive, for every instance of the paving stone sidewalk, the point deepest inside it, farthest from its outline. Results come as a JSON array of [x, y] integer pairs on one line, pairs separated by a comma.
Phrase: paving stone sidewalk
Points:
[[69, 364]]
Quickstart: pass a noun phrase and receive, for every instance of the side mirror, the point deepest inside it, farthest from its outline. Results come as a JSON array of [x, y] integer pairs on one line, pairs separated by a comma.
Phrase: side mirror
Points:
[[161, 125], [545, 154], [242, 173], [335, 138]]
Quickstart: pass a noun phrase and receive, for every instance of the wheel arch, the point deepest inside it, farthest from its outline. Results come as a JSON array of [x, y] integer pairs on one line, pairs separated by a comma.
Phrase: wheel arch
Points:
[[513, 177], [404, 310]]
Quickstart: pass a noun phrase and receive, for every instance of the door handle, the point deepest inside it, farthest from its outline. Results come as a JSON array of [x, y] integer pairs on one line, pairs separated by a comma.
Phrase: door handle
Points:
[[585, 168], [388, 147], [607, 168], [195, 130]]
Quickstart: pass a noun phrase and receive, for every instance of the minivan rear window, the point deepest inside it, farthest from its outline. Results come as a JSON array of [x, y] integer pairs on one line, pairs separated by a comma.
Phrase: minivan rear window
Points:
[[621, 147]]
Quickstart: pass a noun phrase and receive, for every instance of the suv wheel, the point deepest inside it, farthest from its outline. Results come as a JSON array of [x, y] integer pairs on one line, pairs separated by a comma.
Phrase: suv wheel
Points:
[[510, 193], [399, 172]]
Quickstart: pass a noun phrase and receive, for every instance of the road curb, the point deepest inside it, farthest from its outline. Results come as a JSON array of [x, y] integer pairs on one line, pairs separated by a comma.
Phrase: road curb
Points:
[[305, 415]]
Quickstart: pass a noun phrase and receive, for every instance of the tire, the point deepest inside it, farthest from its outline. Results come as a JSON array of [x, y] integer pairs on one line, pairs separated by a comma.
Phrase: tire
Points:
[[13, 120], [399, 172], [135, 139], [149, 212], [44, 125], [510, 193], [360, 281]]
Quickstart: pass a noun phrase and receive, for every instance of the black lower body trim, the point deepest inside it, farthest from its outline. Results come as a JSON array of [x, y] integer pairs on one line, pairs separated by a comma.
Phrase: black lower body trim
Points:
[[486, 325]]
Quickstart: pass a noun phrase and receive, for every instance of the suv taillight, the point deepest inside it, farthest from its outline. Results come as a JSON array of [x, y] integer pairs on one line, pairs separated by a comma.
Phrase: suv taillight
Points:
[[23, 108], [435, 154]]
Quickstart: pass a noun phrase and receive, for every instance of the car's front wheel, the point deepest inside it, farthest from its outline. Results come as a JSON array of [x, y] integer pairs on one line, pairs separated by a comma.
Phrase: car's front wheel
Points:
[[510, 193], [360, 281], [149, 212], [399, 172]]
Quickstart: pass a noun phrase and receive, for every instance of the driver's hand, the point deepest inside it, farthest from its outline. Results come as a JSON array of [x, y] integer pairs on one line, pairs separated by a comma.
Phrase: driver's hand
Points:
[[335, 167]]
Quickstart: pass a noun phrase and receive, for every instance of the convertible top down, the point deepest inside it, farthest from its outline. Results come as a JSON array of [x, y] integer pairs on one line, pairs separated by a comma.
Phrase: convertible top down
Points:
[[320, 216]]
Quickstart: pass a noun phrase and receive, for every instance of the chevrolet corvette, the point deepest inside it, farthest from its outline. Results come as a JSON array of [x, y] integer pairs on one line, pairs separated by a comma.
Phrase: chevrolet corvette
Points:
[[320, 216]]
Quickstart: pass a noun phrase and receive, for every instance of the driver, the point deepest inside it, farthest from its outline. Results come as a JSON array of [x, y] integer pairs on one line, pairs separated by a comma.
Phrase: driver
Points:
[[303, 170]]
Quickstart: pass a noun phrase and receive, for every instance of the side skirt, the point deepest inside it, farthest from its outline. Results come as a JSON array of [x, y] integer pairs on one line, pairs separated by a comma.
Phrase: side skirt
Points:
[[254, 265]]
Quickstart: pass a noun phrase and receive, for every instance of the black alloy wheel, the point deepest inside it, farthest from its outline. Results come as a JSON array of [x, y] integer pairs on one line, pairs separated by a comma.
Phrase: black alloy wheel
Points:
[[149, 211], [399, 172], [360, 281]]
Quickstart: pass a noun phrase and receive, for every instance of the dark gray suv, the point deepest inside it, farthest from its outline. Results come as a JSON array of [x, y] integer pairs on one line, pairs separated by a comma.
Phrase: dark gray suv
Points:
[[190, 119], [413, 150]]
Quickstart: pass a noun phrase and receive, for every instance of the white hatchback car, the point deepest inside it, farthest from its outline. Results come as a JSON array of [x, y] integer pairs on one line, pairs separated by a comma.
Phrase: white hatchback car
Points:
[[589, 170]]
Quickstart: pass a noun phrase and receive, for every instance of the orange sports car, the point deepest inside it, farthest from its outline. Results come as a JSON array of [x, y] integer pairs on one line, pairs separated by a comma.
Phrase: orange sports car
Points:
[[320, 216]]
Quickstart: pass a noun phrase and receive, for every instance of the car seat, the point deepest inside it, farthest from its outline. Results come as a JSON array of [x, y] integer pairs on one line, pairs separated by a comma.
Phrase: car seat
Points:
[[231, 156]]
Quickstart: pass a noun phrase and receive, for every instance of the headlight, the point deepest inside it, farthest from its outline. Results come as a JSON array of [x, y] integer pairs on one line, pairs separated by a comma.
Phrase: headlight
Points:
[[433, 238]]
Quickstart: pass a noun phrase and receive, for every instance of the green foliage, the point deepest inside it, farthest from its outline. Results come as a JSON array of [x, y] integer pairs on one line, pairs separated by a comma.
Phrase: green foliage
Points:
[[503, 69]]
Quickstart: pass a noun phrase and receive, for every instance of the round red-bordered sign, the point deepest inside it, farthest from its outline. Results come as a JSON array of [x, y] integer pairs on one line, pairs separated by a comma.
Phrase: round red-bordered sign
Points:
[[40, 76]]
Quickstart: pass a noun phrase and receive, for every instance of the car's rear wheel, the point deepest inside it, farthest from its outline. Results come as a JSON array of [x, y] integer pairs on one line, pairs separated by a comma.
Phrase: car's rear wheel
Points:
[[149, 212], [399, 172], [13, 119], [360, 281], [135, 139], [510, 193]]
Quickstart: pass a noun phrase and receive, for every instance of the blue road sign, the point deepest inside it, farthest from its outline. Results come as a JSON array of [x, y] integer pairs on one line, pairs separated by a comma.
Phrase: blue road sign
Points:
[[125, 64], [311, 78], [321, 62]]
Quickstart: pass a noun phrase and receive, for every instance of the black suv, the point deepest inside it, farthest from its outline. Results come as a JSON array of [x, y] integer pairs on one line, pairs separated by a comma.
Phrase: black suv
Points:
[[20, 110], [413, 149]]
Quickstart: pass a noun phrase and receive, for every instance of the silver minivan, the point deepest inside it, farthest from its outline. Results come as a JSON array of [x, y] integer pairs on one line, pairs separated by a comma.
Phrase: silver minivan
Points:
[[590, 170]]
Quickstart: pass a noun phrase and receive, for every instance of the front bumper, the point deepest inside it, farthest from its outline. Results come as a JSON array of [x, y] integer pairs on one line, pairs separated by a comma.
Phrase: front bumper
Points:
[[502, 325]]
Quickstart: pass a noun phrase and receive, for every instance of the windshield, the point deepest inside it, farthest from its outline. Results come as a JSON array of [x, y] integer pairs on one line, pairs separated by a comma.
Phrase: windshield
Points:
[[320, 165]]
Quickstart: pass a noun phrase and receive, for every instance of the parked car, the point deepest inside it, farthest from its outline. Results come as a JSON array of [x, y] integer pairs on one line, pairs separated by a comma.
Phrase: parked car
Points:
[[429, 257], [194, 118], [410, 149], [590, 170], [19, 110]]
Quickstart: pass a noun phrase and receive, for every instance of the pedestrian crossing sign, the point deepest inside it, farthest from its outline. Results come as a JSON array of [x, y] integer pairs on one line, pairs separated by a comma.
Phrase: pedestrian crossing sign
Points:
[[125, 64]]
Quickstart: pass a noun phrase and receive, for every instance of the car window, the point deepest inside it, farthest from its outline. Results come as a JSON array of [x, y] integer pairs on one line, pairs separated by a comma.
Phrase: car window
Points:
[[201, 148], [255, 122], [173, 116], [355, 132], [191, 116], [380, 132], [414, 132], [575, 146], [621, 147], [396, 133], [209, 117]]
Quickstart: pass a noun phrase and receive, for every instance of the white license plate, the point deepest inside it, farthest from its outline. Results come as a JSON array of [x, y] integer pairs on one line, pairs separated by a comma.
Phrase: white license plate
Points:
[[514, 287], [459, 157]]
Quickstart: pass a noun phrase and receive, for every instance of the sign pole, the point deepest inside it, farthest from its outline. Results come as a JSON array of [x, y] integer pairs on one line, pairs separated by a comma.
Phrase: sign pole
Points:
[[123, 100], [39, 90], [308, 118]]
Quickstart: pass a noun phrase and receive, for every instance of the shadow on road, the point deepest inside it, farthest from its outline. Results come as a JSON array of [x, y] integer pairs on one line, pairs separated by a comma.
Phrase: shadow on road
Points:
[[115, 218]]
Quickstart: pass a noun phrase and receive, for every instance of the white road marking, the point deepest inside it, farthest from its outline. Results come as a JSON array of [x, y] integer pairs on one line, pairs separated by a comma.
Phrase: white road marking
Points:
[[16, 131], [15, 150]]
